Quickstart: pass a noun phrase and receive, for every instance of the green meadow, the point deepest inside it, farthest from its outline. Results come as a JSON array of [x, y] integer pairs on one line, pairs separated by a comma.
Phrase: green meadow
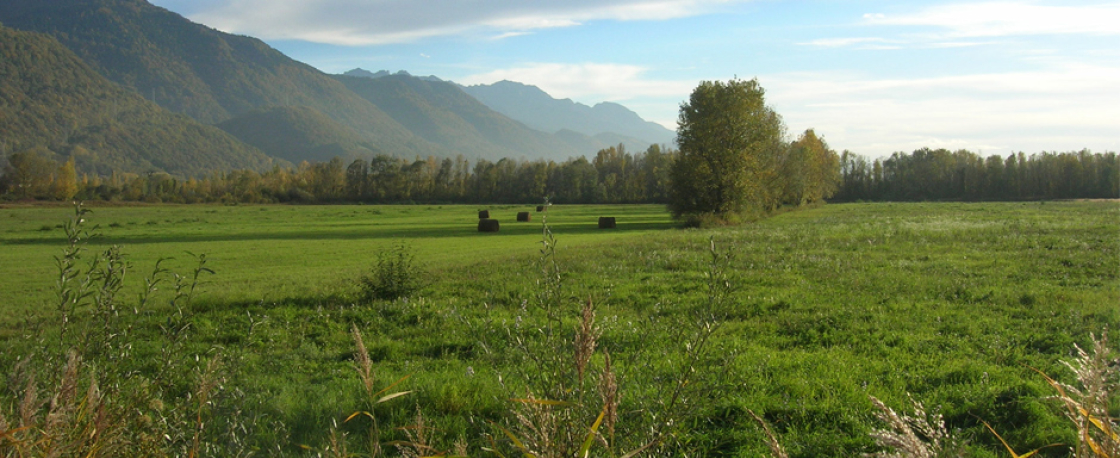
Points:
[[807, 314], [284, 252]]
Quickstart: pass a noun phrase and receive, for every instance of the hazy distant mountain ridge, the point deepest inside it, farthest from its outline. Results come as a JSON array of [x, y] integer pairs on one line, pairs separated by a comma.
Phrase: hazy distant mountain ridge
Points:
[[441, 112], [535, 108], [586, 129], [50, 98]]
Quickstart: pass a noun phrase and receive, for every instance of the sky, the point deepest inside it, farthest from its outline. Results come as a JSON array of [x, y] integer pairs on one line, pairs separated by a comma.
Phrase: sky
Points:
[[870, 76]]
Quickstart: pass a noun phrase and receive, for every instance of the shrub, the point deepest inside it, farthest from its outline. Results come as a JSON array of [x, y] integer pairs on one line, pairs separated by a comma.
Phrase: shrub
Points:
[[395, 275]]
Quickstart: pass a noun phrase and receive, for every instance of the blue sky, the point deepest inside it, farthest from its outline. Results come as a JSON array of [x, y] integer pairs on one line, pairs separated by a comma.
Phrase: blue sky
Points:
[[873, 77]]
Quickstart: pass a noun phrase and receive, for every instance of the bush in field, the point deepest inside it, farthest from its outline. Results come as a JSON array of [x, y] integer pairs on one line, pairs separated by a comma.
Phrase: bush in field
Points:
[[395, 275]]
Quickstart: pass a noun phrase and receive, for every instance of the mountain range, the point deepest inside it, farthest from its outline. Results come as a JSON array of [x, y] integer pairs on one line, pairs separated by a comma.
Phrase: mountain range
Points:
[[538, 110], [264, 101]]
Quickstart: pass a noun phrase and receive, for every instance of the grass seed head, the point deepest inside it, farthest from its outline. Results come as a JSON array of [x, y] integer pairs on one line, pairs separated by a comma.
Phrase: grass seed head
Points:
[[365, 365], [587, 337], [920, 435]]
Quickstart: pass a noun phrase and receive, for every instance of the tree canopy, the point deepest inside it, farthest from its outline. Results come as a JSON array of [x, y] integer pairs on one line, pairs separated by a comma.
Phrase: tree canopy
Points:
[[730, 146]]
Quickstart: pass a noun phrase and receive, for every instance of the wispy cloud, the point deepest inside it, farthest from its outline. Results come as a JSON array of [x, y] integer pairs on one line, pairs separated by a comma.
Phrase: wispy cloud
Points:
[[997, 19], [358, 22], [843, 42], [1064, 106]]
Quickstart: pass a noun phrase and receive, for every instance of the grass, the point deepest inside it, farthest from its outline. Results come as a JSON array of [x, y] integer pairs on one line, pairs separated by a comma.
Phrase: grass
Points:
[[952, 304], [284, 252]]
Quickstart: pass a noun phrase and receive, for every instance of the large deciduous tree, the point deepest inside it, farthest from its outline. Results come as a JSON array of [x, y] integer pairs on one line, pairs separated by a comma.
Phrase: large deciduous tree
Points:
[[730, 145]]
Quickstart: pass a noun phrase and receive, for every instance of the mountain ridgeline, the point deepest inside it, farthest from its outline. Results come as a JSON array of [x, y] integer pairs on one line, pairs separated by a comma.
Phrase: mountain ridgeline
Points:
[[269, 102], [541, 111]]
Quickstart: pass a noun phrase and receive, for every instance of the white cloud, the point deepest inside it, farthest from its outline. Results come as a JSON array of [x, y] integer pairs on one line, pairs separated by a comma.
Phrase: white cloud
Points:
[[587, 81], [1063, 107], [842, 42], [367, 22], [995, 19]]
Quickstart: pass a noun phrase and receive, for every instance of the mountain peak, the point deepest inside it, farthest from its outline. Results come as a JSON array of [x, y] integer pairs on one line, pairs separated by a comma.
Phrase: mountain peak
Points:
[[363, 73]]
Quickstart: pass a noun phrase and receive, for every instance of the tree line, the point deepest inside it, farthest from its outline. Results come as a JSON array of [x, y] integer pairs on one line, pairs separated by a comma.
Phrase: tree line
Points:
[[940, 174], [613, 175]]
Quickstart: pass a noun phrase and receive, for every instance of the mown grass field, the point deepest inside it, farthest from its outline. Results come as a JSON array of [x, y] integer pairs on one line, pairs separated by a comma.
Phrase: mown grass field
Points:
[[951, 303], [283, 252]]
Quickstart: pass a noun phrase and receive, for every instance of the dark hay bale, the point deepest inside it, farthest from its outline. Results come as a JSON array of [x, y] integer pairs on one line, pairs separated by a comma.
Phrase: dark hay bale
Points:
[[522, 217], [540, 208], [483, 214], [487, 225], [606, 222]]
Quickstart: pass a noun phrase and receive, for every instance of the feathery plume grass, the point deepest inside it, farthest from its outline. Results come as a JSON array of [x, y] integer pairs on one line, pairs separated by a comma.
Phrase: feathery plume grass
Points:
[[364, 364], [587, 336], [1086, 404], [608, 391], [921, 435]]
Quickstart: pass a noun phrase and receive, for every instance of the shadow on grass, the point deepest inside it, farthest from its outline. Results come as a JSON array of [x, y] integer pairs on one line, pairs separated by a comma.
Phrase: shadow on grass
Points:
[[374, 232]]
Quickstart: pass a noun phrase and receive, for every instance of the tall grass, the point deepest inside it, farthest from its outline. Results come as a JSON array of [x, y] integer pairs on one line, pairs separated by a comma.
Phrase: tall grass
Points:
[[84, 394], [569, 361]]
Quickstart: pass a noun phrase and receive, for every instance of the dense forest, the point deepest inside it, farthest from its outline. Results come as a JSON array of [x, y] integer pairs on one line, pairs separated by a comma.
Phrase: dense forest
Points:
[[939, 174]]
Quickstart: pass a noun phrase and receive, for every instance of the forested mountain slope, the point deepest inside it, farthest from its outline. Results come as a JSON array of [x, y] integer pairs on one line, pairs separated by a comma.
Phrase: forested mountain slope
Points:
[[204, 73], [50, 98], [298, 134], [442, 113]]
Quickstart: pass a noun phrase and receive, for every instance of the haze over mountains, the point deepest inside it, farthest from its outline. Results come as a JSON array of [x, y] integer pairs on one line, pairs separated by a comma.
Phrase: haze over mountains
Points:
[[269, 102], [539, 110]]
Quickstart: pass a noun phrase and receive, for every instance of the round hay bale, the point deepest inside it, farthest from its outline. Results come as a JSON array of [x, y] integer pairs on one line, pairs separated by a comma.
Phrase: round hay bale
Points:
[[487, 225], [540, 208], [606, 222], [483, 214], [523, 217]]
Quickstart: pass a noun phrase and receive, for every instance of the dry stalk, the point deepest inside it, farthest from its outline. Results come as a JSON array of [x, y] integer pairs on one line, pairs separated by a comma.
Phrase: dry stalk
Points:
[[920, 435], [608, 391], [365, 365], [419, 443], [542, 425], [1087, 404], [771, 439], [587, 337], [208, 381]]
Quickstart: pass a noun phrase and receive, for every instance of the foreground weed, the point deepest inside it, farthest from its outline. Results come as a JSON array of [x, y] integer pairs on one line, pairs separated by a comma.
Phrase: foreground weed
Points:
[[87, 396], [395, 275], [364, 366], [776, 449], [920, 435], [1087, 403]]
